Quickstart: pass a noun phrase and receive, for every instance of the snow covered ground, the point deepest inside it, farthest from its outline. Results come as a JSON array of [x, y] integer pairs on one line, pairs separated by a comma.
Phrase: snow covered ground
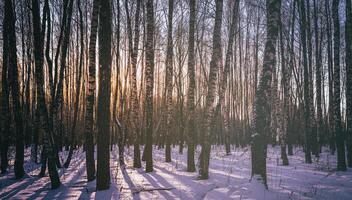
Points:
[[229, 179]]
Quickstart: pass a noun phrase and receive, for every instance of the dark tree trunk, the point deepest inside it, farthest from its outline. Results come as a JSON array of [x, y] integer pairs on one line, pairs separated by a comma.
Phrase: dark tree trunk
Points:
[[331, 74], [348, 40], [29, 127], [307, 111], [191, 131], [89, 117], [58, 98], [103, 118], [5, 112], [340, 138], [283, 110], [149, 78], [261, 123], [169, 83], [318, 64], [46, 20], [39, 73], [313, 131], [133, 53], [47, 47], [10, 43], [137, 154], [209, 108], [286, 79], [118, 87], [35, 135]]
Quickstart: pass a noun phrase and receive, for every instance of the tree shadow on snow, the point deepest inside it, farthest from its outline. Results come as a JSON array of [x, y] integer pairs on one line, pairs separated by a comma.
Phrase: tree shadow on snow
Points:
[[15, 187], [130, 183], [159, 182]]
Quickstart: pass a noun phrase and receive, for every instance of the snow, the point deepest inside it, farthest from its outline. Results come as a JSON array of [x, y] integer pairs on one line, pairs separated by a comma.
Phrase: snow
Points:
[[230, 178]]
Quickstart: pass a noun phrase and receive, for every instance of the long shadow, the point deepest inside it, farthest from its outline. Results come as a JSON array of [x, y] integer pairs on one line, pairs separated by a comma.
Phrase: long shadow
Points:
[[29, 180], [90, 188], [129, 182], [20, 187], [10, 181], [177, 176], [161, 182], [23, 184], [38, 192], [59, 193], [6, 182], [79, 168], [63, 191], [53, 193]]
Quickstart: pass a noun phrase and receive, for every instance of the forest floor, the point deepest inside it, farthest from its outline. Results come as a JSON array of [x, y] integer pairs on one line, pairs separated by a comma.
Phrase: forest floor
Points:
[[229, 178]]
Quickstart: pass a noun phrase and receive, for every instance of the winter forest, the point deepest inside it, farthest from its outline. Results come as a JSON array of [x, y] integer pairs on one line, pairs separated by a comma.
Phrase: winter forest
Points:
[[176, 99]]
